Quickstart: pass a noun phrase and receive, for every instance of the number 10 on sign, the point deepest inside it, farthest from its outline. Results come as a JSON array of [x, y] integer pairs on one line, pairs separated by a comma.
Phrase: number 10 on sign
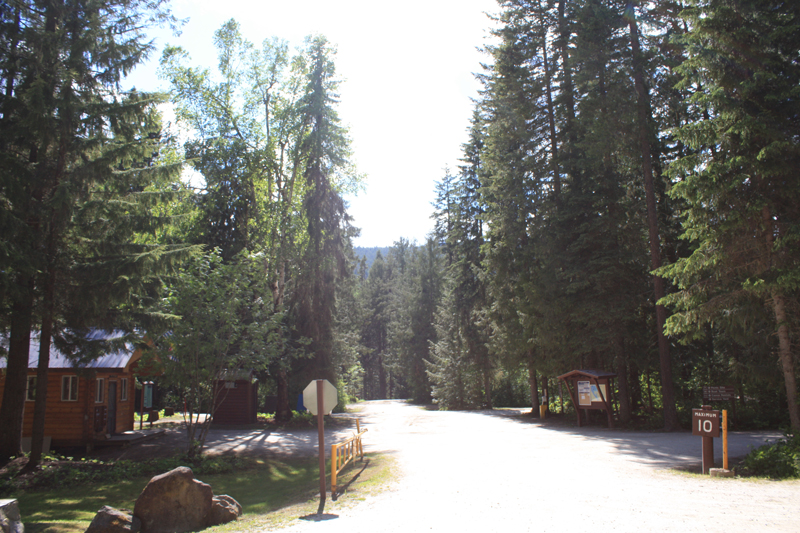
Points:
[[705, 423]]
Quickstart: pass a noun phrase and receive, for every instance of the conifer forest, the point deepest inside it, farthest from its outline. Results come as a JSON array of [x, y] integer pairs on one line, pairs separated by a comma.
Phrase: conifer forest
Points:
[[628, 200]]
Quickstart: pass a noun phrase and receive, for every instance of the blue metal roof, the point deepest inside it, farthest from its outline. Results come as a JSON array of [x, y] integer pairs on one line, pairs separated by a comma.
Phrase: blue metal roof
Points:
[[118, 358]]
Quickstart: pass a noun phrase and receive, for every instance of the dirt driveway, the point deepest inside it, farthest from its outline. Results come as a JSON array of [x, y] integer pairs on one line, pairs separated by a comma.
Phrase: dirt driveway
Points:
[[488, 471]]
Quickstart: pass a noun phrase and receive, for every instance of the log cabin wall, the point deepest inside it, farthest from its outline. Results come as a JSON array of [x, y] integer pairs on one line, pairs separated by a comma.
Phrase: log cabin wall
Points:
[[72, 422], [236, 402]]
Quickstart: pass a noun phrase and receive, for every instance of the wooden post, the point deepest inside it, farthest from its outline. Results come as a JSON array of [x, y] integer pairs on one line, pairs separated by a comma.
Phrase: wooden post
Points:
[[708, 448], [321, 431], [334, 469], [141, 411], [725, 439]]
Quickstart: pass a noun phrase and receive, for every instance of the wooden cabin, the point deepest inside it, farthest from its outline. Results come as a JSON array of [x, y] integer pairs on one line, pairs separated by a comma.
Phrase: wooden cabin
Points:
[[85, 403], [236, 399]]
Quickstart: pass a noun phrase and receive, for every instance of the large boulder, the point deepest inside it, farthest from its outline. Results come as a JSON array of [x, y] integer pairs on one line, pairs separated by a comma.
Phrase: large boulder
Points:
[[174, 502], [224, 509], [10, 519], [110, 520]]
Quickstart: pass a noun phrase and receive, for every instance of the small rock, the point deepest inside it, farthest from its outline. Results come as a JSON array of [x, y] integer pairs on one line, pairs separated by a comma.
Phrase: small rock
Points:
[[173, 502], [721, 472], [110, 520], [224, 509], [10, 519]]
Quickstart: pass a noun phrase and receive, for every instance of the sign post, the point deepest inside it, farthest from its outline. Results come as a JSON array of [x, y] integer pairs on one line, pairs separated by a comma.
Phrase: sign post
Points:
[[320, 397], [725, 439], [705, 423]]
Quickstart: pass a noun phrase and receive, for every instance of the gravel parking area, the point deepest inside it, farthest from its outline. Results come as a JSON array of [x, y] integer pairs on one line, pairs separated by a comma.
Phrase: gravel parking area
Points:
[[491, 471], [500, 471]]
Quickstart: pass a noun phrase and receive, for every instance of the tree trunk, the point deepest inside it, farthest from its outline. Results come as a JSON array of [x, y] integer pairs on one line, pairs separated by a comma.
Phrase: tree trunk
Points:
[[283, 412], [546, 391], [567, 90], [381, 379], [16, 378], [487, 389], [782, 323], [550, 109], [534, 383], [45, 339], [787, 362], [622, 381], [643, 112]]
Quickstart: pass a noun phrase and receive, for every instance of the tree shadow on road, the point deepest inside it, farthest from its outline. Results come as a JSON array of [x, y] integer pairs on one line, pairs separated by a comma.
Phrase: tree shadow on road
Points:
[[657, 449]]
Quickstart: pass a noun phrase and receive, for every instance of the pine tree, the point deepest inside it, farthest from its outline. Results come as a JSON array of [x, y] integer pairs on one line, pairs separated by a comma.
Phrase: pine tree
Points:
[[375, 330], [416, 293], [327, 172], [740, 182], [77, 152], [455, 379]]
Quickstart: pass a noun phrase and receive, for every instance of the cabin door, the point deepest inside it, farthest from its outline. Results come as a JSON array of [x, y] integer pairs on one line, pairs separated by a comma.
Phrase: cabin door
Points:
[[112, 407]]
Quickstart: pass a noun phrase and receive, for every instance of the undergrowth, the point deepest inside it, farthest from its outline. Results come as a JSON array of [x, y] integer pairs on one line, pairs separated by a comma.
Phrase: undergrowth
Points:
[[57, 471], [779, 460]]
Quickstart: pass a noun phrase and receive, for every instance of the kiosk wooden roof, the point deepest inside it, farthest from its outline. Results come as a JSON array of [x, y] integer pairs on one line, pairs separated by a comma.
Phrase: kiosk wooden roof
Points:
[[594, 396]]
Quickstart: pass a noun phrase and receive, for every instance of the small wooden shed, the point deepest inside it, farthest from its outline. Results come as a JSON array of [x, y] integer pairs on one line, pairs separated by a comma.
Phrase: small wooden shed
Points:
[[236, 399], [86, 403], [590, 389]]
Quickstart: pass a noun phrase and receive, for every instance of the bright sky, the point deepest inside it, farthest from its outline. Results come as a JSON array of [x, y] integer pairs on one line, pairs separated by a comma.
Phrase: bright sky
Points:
[[407, 69]]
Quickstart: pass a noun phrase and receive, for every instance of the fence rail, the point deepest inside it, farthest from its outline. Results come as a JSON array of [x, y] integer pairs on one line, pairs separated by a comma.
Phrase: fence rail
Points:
[[344, 452]]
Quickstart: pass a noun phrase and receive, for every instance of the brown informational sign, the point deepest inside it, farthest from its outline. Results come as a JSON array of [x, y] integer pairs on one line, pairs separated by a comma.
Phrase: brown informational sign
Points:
[[584, 393], [718, 394], [705, 423]]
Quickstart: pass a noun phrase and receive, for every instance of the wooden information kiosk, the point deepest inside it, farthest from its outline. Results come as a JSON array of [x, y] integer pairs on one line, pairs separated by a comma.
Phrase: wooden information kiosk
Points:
[[590, 389]]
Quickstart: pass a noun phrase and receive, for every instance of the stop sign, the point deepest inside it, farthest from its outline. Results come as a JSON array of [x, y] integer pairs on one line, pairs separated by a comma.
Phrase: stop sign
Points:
[[329, 397]]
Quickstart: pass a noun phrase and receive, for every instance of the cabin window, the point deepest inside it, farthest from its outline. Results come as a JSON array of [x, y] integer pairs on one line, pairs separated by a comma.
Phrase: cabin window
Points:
[[101, 390], [30, 394], [123, 389], [69, 388]]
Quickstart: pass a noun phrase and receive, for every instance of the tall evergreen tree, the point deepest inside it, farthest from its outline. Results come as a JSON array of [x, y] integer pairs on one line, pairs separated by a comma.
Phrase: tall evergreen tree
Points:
[[327, 173], [375, 329], [740, 182], [73, 145], [645, 134]]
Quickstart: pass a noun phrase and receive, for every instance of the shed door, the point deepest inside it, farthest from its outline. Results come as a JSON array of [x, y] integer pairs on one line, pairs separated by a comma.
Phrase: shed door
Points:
[[112, 407]]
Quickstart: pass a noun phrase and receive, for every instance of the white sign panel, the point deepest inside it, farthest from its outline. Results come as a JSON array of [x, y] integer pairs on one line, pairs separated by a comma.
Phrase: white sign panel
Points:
[[584, 393], [329, 397]]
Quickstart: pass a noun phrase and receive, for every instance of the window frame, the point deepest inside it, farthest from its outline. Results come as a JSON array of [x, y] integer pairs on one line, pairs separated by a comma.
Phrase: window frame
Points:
[[100, 391], [123, 389], [30, 389], [71, 388]]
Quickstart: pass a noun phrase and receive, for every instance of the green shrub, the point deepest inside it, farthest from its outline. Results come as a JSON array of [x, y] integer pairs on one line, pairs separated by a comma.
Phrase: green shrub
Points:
[[780, 460], [301, 417]]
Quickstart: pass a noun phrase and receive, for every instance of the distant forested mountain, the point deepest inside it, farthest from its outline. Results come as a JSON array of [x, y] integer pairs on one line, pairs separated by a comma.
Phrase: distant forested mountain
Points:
[[370, 253]]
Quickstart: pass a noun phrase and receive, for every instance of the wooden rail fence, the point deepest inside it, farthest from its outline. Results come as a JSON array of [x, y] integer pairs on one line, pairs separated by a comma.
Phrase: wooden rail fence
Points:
[[344, 452]]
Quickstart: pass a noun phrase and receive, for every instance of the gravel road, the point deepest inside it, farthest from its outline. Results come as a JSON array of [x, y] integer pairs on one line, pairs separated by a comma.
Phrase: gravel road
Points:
[[489, 471]]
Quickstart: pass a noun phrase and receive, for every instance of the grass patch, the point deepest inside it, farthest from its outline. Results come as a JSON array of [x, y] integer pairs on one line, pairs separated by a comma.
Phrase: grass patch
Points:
[[271, 492], [358, 481]]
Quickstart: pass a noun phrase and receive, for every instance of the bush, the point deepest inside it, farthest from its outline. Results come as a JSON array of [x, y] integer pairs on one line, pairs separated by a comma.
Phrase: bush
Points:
[[780, 460], [303, 417], [511, 389]]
